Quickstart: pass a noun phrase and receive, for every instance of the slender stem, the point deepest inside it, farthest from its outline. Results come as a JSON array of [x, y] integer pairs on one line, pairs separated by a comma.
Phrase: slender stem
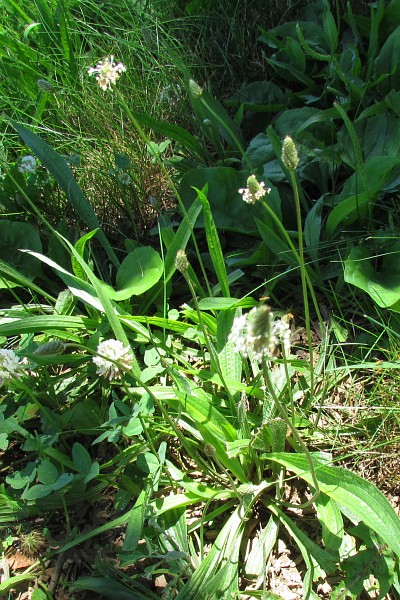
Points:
[[303, 273], [164, 170], [210, 345], [287, 237], [284, 415]]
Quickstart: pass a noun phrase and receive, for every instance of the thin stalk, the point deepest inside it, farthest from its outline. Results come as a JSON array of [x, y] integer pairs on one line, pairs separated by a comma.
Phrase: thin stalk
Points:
[[284, 415], [145, 139], [210, 345], [287, 237], [303, 273]]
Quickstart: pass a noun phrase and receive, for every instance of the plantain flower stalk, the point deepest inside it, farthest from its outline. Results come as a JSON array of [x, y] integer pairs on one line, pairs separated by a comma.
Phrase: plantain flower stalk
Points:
[[254, 191], [290, 157], [260, 334], [107, 72]]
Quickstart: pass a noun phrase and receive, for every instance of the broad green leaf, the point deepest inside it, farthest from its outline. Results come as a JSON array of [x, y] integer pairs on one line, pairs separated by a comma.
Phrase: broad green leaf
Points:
[[353, 492], [32, 324], [37, 491], [260, 551], [330, 29], [391, 18], [276, 244], [62, 481], [177, 241], [379, 135], [223, 558], [226, 303], [199, 489], [15, 277], [382, 285], [259, 96], [291, 72], [296, 120], [312, 230], [377, 171], [387, 63], [230, 360], [40, 594], [331, 521], [80, 288], [139, 271], [214, 244], [80, 248], [11, 583], [176, 531], [81, 457], [135, 522], [212, 425], [47, 473], [319, 562]]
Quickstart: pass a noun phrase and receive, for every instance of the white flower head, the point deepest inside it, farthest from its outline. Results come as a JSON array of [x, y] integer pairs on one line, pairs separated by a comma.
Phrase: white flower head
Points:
[[9, 366], [114, 359], [258, 333], [254, 191], [27, 164], [107, 72]]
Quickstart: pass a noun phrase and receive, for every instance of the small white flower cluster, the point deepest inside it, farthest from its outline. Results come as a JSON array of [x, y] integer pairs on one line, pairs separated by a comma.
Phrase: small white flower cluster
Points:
[[114, 359], [107, 72], [260, 334], [254, 191], [9, 365], [27, 164]]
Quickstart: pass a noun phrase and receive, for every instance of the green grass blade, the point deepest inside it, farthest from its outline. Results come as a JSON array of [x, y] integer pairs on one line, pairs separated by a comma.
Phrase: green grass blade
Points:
[[214, 244], [175, 132], [44, 323], [10, 274], [66, 41], [108, 307], [109, 588], [181, 238], [14, 9]]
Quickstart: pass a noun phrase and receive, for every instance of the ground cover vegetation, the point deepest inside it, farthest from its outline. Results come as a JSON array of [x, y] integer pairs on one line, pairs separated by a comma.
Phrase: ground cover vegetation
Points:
[[199, 330]]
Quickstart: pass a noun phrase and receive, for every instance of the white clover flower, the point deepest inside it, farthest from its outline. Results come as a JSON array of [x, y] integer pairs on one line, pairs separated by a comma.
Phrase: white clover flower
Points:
[[27, 164], [9, 366], [107, 72], [254, 191], [114, 359], [259, 334]]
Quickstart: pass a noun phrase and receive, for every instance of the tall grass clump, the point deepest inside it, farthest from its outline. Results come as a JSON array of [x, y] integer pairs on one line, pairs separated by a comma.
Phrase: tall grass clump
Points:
[[48, 48]]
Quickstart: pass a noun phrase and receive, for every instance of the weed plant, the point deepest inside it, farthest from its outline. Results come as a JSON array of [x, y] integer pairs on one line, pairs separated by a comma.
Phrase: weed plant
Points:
[[164, 390], [48, 48]]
